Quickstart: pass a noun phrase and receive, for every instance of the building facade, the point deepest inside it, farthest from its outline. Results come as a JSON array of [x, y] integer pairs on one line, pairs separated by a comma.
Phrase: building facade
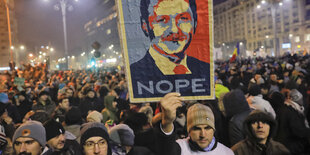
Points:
[[103, 28], [270, 26], [4, 33]]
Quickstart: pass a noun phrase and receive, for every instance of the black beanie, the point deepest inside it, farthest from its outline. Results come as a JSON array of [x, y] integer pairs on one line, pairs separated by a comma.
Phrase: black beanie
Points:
[[53, 129], [93, 129], [44, 93], [254, 90], [73, 116]]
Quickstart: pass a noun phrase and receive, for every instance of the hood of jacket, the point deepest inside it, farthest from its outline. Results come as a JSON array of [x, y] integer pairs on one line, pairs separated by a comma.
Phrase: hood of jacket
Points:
[[258, 115], [235, 102]]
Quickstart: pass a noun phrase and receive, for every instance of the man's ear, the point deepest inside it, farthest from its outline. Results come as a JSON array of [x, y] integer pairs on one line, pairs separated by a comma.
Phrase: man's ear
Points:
[[144, 26]]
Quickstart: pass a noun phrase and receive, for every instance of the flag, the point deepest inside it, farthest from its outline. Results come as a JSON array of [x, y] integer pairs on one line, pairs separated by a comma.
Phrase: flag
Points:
[[305, 52], [235, 54]]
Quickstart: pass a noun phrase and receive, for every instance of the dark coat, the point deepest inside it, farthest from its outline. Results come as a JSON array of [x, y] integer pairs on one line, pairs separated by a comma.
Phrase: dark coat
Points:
[[236, 110], [292, 131], [88, 104], [49, 106]]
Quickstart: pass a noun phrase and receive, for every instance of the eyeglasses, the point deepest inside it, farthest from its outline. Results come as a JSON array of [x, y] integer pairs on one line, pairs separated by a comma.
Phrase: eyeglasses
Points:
[[101, 143]]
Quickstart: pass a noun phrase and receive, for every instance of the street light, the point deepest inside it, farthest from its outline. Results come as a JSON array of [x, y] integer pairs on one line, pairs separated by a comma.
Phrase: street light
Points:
[[63, 5], [22, 47]]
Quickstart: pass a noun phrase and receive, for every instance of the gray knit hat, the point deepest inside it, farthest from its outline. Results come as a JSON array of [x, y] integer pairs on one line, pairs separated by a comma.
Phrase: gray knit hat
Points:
[[31, 129], [199, 114], [122, 134]]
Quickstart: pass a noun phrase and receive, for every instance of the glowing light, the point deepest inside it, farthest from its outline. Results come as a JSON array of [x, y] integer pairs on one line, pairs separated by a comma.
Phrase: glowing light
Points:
[[267, 37], [30, 55], [258, 7], [22, 47], [12, 47], [52, 49], [280, 3], [112, 60]]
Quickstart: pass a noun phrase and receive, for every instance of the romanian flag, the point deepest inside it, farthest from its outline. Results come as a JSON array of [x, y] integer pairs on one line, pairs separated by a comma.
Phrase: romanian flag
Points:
[[235, 54], [305, 52]]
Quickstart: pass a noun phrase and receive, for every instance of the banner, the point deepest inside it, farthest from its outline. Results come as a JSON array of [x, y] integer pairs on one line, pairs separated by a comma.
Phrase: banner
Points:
[[168, 47]]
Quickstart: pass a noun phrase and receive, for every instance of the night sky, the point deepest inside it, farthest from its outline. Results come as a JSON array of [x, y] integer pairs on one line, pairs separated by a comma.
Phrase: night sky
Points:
[[39, 24]]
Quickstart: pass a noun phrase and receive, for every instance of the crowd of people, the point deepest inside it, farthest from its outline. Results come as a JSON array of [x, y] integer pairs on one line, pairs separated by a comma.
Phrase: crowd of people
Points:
[[261, 108]]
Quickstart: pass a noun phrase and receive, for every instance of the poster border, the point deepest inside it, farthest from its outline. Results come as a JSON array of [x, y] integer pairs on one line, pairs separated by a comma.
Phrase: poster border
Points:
[[123, 41]]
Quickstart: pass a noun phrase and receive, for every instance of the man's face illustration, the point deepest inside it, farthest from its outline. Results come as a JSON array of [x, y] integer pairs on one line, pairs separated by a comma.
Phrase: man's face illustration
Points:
[[172, 24]]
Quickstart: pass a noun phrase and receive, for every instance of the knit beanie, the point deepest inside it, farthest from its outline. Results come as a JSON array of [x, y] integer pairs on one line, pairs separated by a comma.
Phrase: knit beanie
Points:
[[73, 116], [122, 134], [53, 129], [296, 96], [199, 114], [31, 129], [95, 115], [254, 90], [4, 100], [93, 129], [44, 93]]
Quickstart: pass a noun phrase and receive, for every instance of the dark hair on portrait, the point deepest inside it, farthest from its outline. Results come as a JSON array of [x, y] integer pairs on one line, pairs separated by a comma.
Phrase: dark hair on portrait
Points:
[[144, 5]]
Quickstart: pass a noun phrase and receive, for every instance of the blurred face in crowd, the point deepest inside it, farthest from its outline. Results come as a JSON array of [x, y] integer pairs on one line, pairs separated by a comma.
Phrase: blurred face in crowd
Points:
[[261, 131], [69, 93], [91, 94], [96, 146], [257, 77], [273, 77], [43, 97], [202, 135], [57, 142], [64, 104], [27, 146], [21, 98]]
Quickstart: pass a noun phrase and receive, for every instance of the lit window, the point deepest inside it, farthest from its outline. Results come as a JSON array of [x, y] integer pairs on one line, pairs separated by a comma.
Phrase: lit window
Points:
[[307, 37], [297, 39], [108, 31]]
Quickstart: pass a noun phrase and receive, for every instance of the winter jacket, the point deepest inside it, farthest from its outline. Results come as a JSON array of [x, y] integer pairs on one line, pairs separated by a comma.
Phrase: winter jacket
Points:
[[292, 131], [260, 104], [90, 104], [48, 106], [236, 110], [246, 147]]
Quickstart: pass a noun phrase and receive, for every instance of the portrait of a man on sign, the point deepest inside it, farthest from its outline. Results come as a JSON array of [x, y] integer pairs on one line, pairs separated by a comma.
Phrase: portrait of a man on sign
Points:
[[169, 57]]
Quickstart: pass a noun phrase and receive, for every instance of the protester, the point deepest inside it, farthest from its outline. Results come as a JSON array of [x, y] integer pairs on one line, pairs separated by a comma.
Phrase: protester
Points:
[[29, 138], [57, 142], [45, 103], [200, 128], [122, 138], [95, 139], [259, 127]]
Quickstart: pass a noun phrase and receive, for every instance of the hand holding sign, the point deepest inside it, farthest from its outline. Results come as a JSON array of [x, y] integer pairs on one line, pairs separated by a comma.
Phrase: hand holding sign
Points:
[[169, 104]]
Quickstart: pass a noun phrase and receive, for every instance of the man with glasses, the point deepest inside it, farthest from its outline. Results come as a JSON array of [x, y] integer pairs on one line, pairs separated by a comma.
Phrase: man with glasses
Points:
[[95, 139]]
